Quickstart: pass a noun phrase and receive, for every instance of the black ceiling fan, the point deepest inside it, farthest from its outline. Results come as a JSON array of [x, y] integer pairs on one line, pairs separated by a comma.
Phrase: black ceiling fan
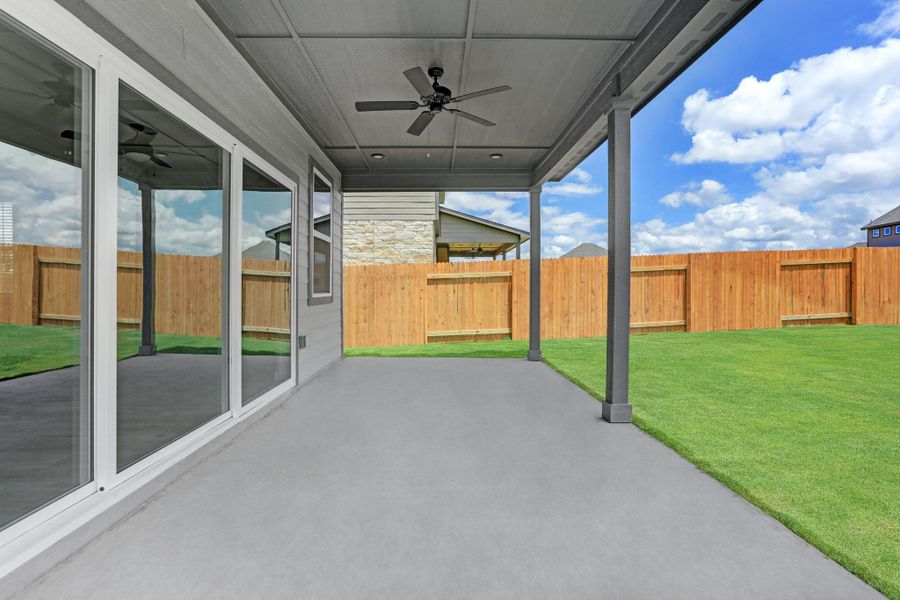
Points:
[[432, 97], [142, 143]]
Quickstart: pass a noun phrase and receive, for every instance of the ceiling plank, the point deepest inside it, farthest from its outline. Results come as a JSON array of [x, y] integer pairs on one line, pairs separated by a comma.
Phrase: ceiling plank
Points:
[[464, 75], [312, 65]]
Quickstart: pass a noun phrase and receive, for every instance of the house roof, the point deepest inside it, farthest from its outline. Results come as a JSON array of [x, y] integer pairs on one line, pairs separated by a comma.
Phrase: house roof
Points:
[[891, 217], [524, 236], [585, 249], [566, 62], [264, 250]]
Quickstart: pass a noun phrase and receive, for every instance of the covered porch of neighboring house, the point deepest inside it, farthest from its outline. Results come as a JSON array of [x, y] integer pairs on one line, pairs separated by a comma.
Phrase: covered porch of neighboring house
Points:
[[466, 236]]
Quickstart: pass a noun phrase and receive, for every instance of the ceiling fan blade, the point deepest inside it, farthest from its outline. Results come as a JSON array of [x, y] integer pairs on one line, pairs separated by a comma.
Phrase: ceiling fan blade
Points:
[[471, 117], [420, 123], [419, 80], [160, 161], [493, 90], [386, 105], [23, 92]]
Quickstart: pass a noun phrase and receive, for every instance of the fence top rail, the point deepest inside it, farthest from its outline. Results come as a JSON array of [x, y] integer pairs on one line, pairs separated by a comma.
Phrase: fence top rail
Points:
[[484, 275], [656, 268], [816, 261]]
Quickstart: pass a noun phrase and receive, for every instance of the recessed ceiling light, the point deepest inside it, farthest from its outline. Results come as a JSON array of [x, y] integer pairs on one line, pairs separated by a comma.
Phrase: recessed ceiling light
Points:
[[377, 155], [496, 156]]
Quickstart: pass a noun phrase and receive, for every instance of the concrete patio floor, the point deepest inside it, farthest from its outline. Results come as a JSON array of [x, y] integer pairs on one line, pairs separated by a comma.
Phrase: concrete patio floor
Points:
[[445, 478]]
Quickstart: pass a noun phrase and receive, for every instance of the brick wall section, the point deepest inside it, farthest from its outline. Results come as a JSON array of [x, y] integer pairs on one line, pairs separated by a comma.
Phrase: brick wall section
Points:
[[382, 242]]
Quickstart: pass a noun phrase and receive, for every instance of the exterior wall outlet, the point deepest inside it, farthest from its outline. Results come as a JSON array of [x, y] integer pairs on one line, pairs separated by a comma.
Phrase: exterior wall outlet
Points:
[[301, 342]]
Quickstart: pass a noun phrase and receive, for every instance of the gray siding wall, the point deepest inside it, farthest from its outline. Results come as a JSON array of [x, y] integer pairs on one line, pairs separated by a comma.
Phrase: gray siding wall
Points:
[[176, 42], [454, 229], [396, 206]]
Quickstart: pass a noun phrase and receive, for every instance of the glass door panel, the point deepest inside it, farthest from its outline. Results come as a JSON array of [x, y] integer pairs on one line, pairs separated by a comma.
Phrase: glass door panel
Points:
[[171, 234], [266, 256]]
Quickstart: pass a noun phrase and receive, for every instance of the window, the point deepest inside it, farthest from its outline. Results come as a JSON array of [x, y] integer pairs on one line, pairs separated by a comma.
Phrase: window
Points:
[[897, 229], [320, 208], [876, 232], [266, 274], [887, 231], [45, 157], [171, 279]]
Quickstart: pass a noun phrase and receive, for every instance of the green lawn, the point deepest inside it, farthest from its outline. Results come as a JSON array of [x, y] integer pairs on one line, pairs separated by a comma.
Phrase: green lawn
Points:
[[804, 422], [28, 349]]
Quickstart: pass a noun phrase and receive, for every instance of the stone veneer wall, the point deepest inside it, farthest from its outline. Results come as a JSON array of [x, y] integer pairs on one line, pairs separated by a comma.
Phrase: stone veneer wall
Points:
[[388, 241]]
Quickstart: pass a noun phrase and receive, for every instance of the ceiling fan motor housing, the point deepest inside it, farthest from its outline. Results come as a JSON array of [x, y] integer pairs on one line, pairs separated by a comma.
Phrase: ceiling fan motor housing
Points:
[[442, 94]]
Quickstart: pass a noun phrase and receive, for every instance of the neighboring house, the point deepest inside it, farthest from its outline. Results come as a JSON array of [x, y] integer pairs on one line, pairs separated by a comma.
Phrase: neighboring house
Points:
[[585, 249], [885, 230], [413, 227], [266, 250]]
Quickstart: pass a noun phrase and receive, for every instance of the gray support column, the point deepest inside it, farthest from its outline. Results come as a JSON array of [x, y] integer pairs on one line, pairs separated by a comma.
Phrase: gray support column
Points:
[[277, 249], [148, 314], [518, 250], [616, 408], [534, 299]]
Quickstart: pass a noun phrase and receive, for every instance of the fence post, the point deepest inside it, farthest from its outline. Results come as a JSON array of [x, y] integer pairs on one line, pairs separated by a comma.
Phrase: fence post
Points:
[[688, 322], [26, 286], [854, 287]]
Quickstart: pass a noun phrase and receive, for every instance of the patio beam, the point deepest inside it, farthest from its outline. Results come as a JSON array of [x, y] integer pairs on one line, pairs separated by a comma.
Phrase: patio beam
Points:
[[616, 408], [534, 292], [148, 251]]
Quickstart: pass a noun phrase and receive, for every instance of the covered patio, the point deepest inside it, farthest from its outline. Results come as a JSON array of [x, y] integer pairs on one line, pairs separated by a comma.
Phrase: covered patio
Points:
[[400, 478]]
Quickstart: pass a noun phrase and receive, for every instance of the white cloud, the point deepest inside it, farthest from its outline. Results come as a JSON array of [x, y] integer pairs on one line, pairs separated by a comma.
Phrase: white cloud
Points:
[[708, 192], [173, 196], [887, 23], [576, 183], [826, 136], [844, 101], [45, 196], [175, 233]]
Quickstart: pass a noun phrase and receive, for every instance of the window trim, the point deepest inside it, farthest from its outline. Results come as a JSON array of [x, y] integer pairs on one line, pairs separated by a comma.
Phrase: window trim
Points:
[[886, 231], [313, 298], [876, 232]]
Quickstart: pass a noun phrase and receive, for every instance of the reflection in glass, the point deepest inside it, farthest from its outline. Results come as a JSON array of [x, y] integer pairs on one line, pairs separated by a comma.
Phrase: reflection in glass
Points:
[[45, 443], [172, 371], [321, 236], [265, 283]]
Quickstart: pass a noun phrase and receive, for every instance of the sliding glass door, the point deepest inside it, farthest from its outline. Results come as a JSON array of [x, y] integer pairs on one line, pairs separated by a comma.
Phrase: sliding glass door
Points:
[[172, 209], [45, 399], [266, 257]]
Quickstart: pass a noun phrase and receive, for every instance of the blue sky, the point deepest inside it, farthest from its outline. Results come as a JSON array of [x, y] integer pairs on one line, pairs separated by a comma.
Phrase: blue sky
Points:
[[782, 135]]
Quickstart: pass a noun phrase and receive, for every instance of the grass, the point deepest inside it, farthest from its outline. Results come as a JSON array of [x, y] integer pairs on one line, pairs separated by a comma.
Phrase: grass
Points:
[[803, 422], [26, 349]]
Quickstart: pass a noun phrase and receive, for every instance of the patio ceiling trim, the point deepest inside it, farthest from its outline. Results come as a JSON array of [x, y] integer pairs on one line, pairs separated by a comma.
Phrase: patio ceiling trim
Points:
[[428, 181], [440, 37]]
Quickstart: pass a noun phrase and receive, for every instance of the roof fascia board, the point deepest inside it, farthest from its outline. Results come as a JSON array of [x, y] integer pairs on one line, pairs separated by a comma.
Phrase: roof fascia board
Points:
[[657, 36], [441, 181]]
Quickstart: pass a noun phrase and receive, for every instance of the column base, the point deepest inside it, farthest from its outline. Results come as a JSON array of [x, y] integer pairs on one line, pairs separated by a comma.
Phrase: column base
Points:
[[534, 355], [616, 413], [147, 351]]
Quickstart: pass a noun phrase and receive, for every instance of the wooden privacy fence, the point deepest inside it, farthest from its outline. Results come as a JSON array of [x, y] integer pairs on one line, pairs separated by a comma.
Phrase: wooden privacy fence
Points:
[[41, 285], [418, 303]]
